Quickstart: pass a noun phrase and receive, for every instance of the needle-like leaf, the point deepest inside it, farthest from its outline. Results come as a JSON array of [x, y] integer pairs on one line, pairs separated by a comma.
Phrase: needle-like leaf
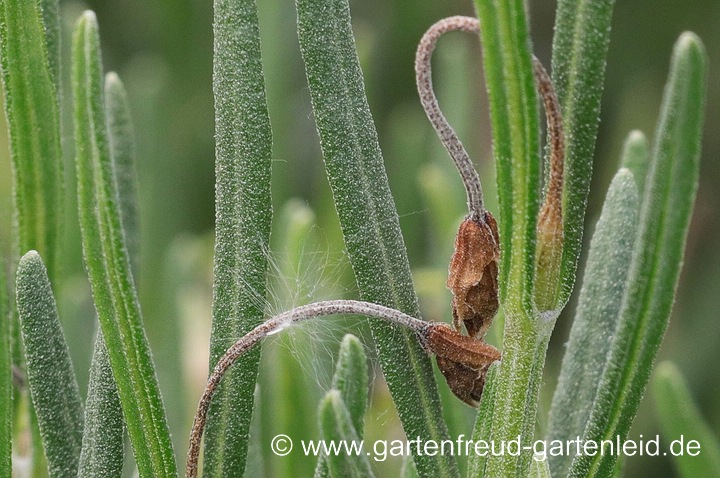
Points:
[[351, 380], [597, 316], [30, 76], [582, 35], [108, 264], [680, 417], [242, 225], [6, 398], [368, 218], [337, 427], [665, 215], [51, 377], [103, 437], [102, 441]]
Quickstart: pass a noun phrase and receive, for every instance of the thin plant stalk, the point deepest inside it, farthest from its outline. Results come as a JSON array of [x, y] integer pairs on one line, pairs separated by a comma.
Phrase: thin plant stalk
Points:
[[470, 177], [423, 76], [433, 337], [273, 326]]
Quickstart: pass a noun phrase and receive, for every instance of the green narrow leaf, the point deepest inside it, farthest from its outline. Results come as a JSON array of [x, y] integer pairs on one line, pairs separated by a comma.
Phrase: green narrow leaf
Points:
[[50, 11], [664, 219], [636, 158], [242, 228], [540, 469], [597, 316], [108, 264], [516, 139], [368, 218], [122, 150], [514, 117], [408, 469], [29, 49], [30, 75], [53, 387], [121, 138], [582, 35], [337, 427], [483, 423], [6, 391], [103, 439], [680, 417], [351, 380]]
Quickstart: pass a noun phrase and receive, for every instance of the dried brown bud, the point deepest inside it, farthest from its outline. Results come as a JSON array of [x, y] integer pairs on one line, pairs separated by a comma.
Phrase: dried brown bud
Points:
[[473, 275], [463, 361], [550, 221]]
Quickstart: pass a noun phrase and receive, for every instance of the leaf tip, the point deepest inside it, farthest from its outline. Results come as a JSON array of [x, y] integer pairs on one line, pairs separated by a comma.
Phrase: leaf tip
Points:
[[636, 136], [690, 46], [623, 175], [112, 80], [688, 40], [30, 265], [88, 17], [666, 371], [351, 342], [31, 256], [331, 402]]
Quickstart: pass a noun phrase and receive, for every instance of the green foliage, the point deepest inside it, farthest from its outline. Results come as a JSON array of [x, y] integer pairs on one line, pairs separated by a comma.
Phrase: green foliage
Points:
[[122, 151], [242, 227], [580, 44], [368, 218], [655, 266], [624, 304], [108, 264], [680, 417], [337, 426], [51, 377], [6, 392], [516, 144], [597, 317], [30, 74], [351, 380], [102, 439], [514, 118], [29, 60]]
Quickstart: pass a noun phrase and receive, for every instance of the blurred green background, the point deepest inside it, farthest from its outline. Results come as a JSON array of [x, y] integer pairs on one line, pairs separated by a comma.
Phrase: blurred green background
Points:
[[162, 50]]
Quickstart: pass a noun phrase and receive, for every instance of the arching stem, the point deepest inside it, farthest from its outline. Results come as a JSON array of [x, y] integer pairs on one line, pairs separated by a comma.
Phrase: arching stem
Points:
[[468, 358], [423, 76], [470, 177]]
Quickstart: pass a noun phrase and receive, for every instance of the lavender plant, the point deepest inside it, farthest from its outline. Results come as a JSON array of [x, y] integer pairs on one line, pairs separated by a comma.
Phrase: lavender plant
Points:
[[529, 271]]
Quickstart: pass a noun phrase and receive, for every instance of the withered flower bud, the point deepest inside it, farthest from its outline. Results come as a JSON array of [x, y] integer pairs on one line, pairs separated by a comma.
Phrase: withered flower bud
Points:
[[473, 275], [463, 361], [550, 221]]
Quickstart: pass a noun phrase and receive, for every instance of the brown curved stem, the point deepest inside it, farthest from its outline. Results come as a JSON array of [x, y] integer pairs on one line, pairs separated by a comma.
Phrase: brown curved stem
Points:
[[423, 76], [277, 324], [449, 138]]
